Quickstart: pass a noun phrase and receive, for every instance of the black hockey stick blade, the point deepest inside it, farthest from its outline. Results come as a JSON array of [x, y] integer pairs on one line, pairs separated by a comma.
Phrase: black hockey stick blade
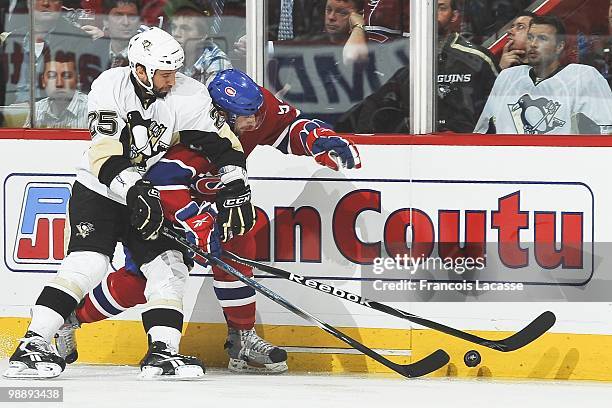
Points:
[[424, 366], [529, 333], [432, 362]]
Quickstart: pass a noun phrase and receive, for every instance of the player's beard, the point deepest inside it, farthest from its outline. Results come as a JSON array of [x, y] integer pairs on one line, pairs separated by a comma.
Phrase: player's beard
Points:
[[159, 93]]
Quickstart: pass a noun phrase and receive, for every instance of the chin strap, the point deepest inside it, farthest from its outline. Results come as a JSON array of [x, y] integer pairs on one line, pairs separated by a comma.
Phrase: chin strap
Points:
[[149, 73]]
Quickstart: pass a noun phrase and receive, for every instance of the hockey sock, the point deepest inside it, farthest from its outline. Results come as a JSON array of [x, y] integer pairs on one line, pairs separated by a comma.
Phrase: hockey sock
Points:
[[45, 321], [236, 298], [119, 291], [51, 309], [167, 335], [163, 325]]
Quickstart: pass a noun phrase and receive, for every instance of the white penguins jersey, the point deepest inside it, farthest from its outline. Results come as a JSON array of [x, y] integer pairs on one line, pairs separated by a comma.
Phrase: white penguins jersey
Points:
[[576, 99], [131, 132]]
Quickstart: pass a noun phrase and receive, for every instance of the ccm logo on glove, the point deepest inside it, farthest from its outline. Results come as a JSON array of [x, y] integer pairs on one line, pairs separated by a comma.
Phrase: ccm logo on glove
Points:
[[238, 201], [236, 213]]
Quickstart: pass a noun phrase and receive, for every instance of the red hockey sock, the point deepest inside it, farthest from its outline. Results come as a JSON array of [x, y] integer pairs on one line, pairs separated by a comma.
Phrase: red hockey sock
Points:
[[119, 291], [236, 298]]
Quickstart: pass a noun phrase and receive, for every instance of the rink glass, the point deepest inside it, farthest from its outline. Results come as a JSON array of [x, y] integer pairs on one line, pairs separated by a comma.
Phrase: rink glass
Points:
[[95, 39]]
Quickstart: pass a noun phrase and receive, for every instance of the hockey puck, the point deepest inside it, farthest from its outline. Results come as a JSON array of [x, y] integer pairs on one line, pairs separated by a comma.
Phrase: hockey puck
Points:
[[472, 358]]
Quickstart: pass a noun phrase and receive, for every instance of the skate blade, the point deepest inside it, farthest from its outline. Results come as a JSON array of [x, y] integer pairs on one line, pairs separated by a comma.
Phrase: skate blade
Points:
[[241, 366], [182, 373], [42, 371]]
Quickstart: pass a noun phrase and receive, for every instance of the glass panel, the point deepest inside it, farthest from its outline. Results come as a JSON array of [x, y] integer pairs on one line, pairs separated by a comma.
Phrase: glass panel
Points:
[[466, 71], [77, 40], [340, 62], [14, 81], [545, 82], [210, 33]]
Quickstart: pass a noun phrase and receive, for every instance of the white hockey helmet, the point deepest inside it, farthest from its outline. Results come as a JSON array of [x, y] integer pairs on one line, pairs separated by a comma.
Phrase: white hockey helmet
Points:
[[154, 49]]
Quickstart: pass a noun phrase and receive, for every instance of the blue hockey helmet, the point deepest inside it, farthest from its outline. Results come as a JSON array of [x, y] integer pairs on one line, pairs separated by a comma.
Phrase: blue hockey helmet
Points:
[[235, 93]]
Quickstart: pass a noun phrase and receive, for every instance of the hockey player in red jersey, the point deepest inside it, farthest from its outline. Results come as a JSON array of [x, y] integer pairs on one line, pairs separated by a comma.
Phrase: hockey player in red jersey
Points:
[[188, 183]]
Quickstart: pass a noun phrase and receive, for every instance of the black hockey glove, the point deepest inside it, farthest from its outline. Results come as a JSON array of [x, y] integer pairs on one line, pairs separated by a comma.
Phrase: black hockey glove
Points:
[[236, 213], [146, 214]]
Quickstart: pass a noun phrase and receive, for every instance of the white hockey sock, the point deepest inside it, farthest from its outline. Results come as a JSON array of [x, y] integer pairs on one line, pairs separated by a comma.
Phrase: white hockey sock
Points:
[[45, 321], [168, 335]]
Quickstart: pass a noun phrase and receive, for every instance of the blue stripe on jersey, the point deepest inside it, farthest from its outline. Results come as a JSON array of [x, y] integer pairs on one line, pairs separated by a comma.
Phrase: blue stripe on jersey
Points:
[[283, 146], [165, 173], [234, 293], [103, 301]]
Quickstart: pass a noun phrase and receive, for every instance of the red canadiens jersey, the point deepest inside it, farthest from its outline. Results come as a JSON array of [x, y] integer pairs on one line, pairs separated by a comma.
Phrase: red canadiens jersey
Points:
[[386, 20], [183, 175]]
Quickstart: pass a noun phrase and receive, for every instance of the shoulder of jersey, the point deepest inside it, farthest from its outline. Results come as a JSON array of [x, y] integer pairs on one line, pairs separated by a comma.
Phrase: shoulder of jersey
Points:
[[269, 96], [516, 71], [186, 85], [582, 68], [111, 78], [475, 49], [185, 82], [465, 42]]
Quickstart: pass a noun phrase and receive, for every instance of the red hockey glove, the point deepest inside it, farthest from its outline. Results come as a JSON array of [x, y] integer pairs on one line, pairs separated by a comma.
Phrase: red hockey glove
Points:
[[331, 150], [199, 224]]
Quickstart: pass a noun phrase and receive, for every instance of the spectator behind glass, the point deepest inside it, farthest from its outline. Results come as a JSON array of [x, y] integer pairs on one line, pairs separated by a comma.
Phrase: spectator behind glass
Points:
[[64, 106], [600, 54], [466, 73], [387, 20], [303, 16], [344, 27], [342, 24], [545, 97], [188, 25], [515, 50], [485, 18], [121, 21], [54, 37]]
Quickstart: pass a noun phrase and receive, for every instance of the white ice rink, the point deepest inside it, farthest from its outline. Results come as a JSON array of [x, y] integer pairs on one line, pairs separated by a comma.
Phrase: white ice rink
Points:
[[117, 386]]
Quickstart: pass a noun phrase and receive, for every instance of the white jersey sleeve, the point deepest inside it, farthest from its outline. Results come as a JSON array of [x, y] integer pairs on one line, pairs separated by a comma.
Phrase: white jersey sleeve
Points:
[[105, 121], [109, 155], [491, 106], [594, 101]]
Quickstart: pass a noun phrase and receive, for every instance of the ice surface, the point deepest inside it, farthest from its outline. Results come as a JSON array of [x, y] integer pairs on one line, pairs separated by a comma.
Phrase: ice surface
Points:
[[117, 386]]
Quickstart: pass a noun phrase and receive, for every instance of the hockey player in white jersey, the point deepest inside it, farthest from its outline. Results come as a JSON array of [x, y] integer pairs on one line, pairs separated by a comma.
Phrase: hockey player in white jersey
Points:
[[135, 114], [545, 97]]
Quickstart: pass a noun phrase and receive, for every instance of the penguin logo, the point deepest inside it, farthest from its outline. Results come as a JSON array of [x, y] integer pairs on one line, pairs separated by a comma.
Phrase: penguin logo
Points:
[[535, 116], [84, 229]]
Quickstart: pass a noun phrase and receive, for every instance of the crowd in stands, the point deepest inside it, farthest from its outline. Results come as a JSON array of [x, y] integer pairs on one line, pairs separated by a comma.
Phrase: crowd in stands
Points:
[[74, 41], [358, 73]]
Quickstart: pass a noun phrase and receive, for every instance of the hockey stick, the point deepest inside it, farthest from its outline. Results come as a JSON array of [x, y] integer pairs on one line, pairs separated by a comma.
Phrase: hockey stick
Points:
[[432, 362], [529, 333]]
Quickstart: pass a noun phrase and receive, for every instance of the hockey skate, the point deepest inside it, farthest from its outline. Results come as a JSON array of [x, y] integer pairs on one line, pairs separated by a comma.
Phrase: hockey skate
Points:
[[65, 339], [164, 362], [249, 353], [34, 359]]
